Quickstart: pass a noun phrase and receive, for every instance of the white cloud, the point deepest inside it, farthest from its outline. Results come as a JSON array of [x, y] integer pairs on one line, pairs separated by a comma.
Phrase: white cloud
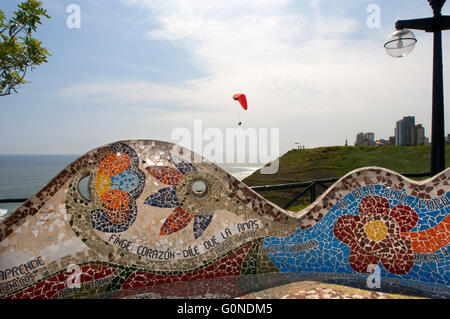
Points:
[[301, 71], [256, 47]]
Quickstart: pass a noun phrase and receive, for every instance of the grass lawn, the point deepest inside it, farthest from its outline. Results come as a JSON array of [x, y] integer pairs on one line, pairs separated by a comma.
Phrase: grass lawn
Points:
[[336, 161]]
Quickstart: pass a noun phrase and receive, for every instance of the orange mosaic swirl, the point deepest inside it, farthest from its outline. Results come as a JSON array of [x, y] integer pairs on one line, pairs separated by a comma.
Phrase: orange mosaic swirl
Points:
[[431, 240], [115, 199], [114, 164]]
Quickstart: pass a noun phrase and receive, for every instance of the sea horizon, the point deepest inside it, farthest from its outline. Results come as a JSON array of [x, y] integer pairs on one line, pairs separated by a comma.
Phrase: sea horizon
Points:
[[23, 175]]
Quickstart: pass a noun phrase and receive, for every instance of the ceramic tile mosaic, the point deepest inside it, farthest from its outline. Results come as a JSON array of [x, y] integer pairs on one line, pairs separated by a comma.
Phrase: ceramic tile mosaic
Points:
[[160, 221], [318, 290]]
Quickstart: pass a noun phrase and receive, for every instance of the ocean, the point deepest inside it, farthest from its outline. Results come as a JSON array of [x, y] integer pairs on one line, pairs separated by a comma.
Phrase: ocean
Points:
[[22, 176]]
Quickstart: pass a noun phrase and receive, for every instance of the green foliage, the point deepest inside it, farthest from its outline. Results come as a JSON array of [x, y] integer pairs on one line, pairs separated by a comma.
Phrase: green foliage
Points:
[[19, 51], [302, 205]]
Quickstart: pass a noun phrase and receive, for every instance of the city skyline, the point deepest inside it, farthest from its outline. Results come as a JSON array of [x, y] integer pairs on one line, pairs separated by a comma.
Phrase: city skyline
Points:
[[406, 133]]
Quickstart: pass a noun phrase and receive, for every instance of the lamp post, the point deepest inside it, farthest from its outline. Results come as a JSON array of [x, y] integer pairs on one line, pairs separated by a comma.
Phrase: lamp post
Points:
[[400, 44]]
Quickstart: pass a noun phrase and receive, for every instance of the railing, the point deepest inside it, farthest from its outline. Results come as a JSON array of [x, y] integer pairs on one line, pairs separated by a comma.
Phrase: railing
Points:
[[309, 187], [18, 200]]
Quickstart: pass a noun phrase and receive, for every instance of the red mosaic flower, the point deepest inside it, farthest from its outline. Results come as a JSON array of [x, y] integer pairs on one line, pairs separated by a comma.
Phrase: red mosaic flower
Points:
[[375, 235]]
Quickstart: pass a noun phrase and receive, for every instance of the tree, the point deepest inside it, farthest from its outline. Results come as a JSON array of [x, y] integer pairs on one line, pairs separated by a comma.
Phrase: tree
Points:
[[19, 51]]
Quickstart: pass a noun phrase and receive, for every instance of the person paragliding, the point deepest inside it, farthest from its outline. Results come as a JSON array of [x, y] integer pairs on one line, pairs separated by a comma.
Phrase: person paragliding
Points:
[[243, 101]]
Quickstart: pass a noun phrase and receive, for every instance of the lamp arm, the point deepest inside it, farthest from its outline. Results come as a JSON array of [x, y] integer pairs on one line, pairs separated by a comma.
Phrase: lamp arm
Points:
[[426, 24]]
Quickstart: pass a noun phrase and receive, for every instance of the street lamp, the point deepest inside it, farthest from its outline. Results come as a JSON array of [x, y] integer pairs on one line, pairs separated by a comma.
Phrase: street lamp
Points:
[[400, 44]]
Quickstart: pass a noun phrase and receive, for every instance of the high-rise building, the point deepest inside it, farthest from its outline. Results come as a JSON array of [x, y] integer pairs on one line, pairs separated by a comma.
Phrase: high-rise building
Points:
[[418, 135], [359, 139], [365, 139], [403, 130], [369, 139]]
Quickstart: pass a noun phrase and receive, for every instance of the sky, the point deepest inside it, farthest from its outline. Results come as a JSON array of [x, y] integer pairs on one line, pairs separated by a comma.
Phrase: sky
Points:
[[315, 70]]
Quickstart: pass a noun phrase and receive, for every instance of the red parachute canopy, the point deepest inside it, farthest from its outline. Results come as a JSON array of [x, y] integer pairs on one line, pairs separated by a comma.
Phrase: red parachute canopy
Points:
[[242, 99]]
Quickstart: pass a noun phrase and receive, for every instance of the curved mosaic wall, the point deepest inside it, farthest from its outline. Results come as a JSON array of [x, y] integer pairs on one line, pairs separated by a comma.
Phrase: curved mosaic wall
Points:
[[156, 222]]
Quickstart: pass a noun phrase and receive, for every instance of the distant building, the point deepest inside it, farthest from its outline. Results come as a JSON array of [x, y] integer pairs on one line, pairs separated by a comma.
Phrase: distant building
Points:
[[418, 135], [391, 140], [407, 133], [403, 131], [369, 138], [448, 139], [365, 139], [359, 139]]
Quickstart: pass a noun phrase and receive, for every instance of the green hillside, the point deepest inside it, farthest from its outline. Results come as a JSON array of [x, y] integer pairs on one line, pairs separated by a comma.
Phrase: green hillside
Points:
[[336, 161]]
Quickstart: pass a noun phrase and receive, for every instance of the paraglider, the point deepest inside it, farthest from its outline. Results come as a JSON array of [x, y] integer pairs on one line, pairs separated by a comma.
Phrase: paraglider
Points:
[[242, 100]]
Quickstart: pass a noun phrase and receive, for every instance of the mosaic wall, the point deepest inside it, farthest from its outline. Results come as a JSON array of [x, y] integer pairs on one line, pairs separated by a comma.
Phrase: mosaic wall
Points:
[[160, 222]]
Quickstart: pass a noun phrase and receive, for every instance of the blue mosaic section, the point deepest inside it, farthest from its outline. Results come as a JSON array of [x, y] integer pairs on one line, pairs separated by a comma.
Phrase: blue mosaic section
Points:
[[132, 169], [164, 198], [136, 190], [201, 222], [317, 250], [432, 268], [125, 181]]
